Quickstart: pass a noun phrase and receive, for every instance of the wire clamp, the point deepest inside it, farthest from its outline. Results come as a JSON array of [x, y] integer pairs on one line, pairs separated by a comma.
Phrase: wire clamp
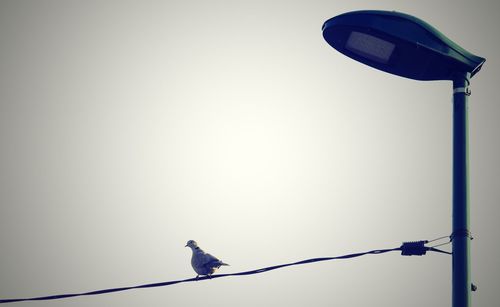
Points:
[[415, 248], [418, 248]]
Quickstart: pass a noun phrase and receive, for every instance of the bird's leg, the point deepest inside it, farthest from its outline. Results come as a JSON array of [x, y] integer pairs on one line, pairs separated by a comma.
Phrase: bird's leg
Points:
[[197, 277]]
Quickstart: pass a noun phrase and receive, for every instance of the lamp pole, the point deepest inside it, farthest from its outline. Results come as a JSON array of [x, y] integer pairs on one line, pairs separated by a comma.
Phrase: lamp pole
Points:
[[461, 283], [403, 45]]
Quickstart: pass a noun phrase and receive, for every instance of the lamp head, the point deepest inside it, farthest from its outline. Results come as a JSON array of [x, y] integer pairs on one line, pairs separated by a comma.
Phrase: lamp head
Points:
[[399, 44]]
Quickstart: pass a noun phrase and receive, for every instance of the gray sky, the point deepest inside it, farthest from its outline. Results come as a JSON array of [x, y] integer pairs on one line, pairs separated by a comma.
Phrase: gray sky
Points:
[[129, 127]]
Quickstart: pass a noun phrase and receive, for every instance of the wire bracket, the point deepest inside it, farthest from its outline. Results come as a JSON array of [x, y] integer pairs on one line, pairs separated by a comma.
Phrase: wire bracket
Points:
[[461, 233], [418, 248]]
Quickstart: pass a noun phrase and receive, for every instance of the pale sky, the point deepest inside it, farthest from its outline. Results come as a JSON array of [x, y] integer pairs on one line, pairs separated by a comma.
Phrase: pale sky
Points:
[[128, 128]]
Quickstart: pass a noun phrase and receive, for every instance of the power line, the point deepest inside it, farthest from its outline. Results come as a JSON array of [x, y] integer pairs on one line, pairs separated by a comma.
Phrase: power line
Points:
[[407, 249]]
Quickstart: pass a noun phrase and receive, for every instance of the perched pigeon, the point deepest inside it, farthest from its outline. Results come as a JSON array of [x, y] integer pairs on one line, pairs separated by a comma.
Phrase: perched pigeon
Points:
[[203, 263]]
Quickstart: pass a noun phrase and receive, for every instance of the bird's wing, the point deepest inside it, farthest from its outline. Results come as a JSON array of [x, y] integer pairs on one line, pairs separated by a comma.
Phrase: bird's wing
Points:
[[210, 259]]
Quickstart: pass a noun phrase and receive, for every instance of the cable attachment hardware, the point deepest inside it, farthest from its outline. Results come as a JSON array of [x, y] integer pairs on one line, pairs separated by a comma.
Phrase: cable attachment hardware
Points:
[[415, 248], [462, 89], [461, 233], [465, 90]]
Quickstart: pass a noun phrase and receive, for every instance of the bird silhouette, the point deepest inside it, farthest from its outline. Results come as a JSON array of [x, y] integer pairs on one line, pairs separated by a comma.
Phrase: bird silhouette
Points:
[[203, 263]]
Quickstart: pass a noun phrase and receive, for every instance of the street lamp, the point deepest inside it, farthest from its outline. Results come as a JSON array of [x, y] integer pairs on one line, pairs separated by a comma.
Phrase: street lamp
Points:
[[406, 46]]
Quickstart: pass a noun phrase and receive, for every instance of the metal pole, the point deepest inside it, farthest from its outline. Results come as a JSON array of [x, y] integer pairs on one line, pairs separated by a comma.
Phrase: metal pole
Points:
[[461, 283]]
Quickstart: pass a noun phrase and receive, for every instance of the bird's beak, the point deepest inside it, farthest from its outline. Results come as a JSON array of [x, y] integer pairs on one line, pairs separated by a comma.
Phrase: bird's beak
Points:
[[186, 245]]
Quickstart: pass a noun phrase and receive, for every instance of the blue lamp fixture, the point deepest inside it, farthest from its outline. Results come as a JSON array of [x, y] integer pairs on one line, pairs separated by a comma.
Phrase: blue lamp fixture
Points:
[[399, 44], [406, 46]]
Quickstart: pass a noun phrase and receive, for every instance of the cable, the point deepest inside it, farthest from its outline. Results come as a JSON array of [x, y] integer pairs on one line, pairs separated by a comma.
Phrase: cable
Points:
[[446, 243], [257, 271], [437, 239]]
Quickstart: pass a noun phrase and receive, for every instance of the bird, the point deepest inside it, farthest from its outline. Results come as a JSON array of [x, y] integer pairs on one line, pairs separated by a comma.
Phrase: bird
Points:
[[203, 263]]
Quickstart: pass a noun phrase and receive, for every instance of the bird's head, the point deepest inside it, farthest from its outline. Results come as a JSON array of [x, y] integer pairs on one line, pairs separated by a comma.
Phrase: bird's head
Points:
[[192, 244]]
